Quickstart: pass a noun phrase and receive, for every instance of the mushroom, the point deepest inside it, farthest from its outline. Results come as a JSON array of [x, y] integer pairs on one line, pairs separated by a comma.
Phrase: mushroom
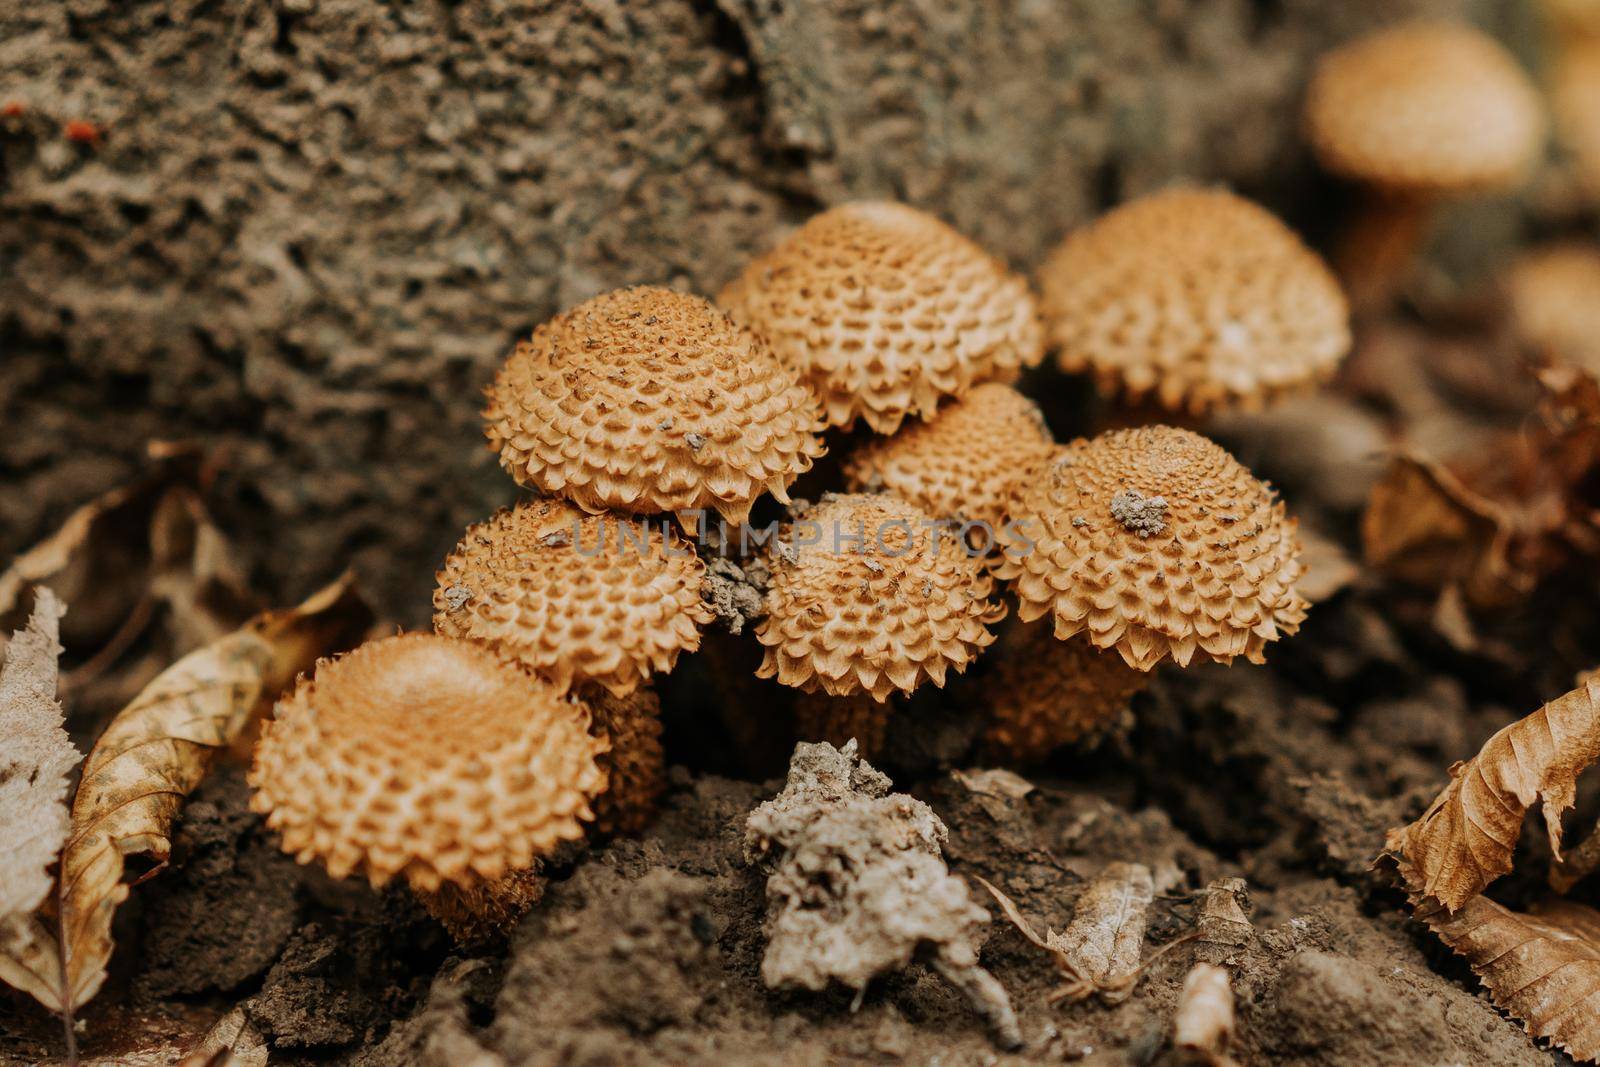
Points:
[[1554, 297], [430, 759], [635, 765], [1043, 693], [839, 720], [866, 597], [1575, 98], [958, 464], [884, 310], [574, 598], [1195, 298], [1417, 114], [1155, 542], [646, 400]]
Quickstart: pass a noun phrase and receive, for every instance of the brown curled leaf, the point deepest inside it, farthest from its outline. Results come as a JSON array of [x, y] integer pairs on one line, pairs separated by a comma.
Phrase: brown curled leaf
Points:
[[157, 750], [1424, 525], [1465, 838], [1543, 966]]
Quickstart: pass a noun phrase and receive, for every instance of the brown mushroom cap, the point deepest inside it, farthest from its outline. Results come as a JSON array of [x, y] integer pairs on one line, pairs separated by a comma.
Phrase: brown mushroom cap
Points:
[[647, 400], [1554, 294], [960, 462], [1043, 693], [574, 597], [884, 310], [1195, 297], [1425, 108], [635, 764], [426, 757], [1155, 542], [905, 608]]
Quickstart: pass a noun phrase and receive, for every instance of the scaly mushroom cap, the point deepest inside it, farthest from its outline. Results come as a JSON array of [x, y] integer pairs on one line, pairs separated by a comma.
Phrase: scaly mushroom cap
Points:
[[646, 400], [635, 765], [1155, 542], [867, 597], [885, 310], [1195, 297], [1555, 303], [574, 597], [960, 462], [426, 757], [485, 911], [1575, 98], [1044, 693], [1425, 108]]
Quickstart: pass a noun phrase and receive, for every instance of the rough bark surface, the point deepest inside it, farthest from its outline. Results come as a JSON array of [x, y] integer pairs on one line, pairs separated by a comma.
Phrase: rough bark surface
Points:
[[306, 231]]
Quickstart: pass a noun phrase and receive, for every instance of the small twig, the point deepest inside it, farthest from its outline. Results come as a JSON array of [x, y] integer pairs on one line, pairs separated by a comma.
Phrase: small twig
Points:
[[97, 664], [1579, 863]]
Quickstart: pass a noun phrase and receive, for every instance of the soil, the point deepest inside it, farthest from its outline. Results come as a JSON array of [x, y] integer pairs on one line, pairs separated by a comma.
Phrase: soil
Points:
[[309, 229]]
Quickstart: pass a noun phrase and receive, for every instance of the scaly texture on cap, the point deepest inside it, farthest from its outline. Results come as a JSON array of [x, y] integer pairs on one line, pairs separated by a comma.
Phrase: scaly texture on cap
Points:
[[425, 757], [1575, 98], [884, 310], [1157, 543], [635, 765], [875, 603], [840, 720], [646, 400], [1555, 303], [574, 597], [1196, 298], [961, 462], [1044, 693], [1425, 108]]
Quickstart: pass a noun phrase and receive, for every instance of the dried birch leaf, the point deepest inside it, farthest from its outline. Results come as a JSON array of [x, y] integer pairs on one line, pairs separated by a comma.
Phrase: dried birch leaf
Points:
[[1542, 967], [1222, 924], [1465, 838], [1203, 1025], [158, 749], [34, 764]]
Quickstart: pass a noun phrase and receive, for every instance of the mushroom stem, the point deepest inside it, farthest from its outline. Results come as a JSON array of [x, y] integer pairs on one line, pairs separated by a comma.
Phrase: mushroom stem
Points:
[[837, 720], [486, 910], [1377, 254], [635, 764]]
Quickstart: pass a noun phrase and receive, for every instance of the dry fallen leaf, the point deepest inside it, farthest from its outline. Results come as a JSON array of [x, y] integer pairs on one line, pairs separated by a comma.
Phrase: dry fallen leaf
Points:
[[1465, 838], [1543, 967], [157, 750], [1222, 925], [34, 764], [1203, 1024], [1099, 950], [1424, 526]]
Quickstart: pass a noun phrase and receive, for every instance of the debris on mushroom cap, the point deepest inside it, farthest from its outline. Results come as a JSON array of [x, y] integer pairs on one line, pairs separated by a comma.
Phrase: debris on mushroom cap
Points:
[[1043, 693], [837, 720], [1217, 581], [575, 597], [960, 462], [1554, 295], [648, 400], [1425, 108], [425, 757], [1196, 298], [1575, 99], [635, 765], [867, 597], [885, 310]]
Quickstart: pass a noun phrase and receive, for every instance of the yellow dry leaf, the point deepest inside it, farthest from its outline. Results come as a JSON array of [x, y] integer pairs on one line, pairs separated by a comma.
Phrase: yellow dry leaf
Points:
[[157, 750], [34, 764], [1543, 967], [1465, 838]]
